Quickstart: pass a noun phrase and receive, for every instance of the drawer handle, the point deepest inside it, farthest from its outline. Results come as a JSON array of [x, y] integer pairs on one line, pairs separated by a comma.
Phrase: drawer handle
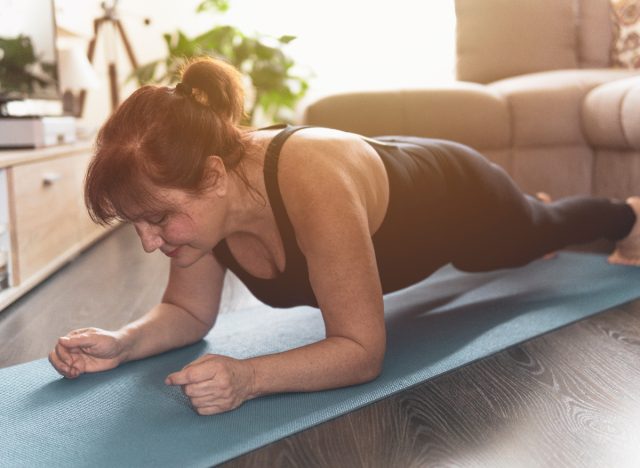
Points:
[[50, 178]]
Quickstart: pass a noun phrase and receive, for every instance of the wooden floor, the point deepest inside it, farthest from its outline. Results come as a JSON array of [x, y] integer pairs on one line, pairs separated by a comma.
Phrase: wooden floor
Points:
[[569, 398]]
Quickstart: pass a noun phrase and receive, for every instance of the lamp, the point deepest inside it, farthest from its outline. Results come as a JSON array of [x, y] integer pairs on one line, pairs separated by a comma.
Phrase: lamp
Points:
[[76, 75]]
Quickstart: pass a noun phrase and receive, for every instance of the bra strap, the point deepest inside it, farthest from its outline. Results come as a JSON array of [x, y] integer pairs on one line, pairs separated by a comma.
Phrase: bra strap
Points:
[[271, 160]]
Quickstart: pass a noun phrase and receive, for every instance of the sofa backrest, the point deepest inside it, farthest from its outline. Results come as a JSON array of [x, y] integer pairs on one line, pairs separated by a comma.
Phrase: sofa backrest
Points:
[[595, 33], [501, 38]]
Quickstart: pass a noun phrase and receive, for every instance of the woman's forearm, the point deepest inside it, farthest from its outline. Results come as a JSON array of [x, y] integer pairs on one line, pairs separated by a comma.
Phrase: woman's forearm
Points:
[[330, 363], [163, 328]]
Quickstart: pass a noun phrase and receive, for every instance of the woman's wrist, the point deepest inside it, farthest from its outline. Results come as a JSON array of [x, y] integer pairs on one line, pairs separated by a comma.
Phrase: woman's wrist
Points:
[[253, 391], [127, 338]]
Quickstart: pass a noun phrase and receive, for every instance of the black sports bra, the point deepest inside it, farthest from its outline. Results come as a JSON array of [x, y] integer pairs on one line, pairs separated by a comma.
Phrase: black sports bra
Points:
[[291, 287]]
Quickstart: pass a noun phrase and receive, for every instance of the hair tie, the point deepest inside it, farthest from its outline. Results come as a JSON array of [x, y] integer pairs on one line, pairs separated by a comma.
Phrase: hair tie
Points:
[[198, 95], [184, 89]]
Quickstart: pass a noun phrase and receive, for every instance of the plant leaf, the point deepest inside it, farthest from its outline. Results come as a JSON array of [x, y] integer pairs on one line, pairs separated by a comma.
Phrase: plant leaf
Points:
[[213, 5], [286, 39], [259, 57]]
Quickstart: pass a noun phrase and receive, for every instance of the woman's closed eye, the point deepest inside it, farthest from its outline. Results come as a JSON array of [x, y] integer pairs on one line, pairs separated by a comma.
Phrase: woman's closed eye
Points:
[[158, 219]]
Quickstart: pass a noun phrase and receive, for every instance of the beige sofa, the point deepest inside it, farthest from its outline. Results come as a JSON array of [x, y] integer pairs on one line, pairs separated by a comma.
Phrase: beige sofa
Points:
[[535, 93]]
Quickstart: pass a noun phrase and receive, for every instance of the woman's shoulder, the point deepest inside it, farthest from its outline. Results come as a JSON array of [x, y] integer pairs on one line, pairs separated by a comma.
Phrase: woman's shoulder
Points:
[[322, 149], [320, 166]]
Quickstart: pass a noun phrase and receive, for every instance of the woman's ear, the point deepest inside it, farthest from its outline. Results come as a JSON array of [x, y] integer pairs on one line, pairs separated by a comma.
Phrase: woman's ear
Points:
[[217, 175]]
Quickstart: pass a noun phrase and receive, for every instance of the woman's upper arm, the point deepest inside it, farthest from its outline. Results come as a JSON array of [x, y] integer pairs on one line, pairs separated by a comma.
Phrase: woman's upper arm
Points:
[[197, 289], [332, 228]]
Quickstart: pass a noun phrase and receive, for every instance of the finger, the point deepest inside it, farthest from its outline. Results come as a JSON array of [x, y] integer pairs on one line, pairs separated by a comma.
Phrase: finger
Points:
[[209, 400], [79, 331], [178, 378], [76, 362], [77, 341], [63, 369], [55, 362], [199, 389], [63, 360], [74, 372], [203, 358], [192, 375], [209, 410], [63, 355], [80, 365]]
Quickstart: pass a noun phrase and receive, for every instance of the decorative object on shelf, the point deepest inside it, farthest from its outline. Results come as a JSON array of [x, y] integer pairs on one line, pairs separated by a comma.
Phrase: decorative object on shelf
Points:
[[262, 59], [37, 132], [111, 19], [28, 61], [22, 70], [76, 75]]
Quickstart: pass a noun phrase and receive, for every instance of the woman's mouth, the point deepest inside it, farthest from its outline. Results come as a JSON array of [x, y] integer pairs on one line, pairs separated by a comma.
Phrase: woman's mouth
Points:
[[172, 253]]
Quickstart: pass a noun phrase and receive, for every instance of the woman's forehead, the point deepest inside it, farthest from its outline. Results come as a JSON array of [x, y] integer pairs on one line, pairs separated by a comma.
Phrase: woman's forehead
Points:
[[154, 202]]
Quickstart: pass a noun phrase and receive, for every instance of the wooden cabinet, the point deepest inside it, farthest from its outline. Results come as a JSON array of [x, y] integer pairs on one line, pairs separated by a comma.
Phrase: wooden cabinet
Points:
[[47, 219]]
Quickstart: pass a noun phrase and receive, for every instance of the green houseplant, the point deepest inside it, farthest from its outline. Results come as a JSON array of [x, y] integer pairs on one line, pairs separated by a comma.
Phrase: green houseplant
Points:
[[260, 58], [21, 70]]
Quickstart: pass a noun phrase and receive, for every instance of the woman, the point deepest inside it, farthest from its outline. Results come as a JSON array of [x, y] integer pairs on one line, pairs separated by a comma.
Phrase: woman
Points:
[[302, 216]]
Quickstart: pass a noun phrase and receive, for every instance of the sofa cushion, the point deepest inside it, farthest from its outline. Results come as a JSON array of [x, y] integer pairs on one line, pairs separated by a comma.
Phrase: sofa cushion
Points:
[[502, 38], [561, 171], [367, 113], [625, 15], [610, 115], [546, 107], [466, 112], [595, 33]]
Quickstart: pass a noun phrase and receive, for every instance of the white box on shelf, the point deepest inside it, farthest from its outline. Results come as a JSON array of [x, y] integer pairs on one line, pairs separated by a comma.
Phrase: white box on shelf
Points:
[[36, 132]]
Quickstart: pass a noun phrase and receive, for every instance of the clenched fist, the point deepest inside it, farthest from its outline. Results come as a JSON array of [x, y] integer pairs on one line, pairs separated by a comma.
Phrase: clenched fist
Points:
[[215, 383]]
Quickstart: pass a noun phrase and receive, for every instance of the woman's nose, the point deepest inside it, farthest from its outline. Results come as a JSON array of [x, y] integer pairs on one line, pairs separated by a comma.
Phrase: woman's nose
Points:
[[150, 239]]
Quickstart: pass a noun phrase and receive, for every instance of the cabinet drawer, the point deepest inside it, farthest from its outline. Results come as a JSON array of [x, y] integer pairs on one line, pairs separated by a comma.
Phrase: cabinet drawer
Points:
[[45, 197]]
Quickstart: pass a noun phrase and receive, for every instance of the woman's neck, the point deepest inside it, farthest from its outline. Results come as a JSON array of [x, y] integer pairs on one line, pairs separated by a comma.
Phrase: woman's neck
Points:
[[249, 210]]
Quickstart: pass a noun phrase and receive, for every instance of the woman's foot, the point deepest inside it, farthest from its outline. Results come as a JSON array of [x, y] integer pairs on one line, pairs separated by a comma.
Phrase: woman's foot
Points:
[[627, 250], [544, 197]]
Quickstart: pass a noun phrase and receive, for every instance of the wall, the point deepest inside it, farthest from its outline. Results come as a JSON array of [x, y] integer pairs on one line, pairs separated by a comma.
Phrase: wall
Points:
[[146, 41], [342, 45]]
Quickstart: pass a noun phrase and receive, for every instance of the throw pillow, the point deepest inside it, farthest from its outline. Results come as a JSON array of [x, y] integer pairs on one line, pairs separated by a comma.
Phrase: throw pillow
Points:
[[626, 27]]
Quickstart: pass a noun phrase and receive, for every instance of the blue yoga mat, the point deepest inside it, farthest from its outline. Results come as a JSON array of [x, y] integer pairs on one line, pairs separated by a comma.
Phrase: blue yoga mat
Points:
[[128, 417]]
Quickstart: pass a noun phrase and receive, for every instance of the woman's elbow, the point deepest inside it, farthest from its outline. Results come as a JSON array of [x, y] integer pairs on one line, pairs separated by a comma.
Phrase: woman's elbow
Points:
[[372, 375], [371, 370]]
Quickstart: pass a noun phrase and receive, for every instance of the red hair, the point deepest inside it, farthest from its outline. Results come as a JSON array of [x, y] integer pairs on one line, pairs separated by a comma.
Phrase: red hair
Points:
[[162, 137]]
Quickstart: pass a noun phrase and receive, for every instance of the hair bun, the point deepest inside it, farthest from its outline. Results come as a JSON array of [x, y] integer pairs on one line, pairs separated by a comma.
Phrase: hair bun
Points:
[[217, 84]]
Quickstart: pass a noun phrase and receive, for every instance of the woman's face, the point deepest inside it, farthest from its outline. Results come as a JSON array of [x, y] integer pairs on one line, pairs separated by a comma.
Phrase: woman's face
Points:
[[184, 228]]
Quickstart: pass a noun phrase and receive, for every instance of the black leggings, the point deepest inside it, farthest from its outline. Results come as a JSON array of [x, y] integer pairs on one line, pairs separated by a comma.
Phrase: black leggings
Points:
[[468, 211], [502, 227]]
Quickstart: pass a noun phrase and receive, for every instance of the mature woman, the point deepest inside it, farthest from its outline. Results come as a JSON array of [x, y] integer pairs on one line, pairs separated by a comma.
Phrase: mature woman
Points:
[[302, 216]]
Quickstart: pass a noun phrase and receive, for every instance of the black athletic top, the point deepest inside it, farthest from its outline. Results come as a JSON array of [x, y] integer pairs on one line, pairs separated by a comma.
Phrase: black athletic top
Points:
[[447, 203], [414, 225]]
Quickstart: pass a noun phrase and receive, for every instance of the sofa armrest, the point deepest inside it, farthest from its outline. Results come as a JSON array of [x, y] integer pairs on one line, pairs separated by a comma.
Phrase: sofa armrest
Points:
[[465, 112], [545, 107], [611, 115]]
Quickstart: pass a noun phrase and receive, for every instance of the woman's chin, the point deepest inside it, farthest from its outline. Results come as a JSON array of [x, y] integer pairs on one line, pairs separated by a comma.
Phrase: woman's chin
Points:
[[187, 257]]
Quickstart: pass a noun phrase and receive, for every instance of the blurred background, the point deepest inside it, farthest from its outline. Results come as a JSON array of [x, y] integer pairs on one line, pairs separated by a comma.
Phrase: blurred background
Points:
[[338, 46]]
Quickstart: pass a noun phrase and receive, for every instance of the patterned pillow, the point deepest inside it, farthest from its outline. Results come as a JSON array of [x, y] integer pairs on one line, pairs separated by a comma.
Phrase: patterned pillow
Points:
[[626, 26]]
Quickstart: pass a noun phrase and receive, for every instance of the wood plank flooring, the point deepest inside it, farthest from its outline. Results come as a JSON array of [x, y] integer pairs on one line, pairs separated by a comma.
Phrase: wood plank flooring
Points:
[[569, 398]]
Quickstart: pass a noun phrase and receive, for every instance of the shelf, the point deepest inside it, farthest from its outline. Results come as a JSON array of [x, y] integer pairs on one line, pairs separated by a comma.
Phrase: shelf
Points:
[[16, 157]]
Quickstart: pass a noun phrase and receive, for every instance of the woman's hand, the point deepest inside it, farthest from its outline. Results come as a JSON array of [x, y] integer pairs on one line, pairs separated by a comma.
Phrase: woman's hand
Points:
[[87, 350], [215, 383]]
